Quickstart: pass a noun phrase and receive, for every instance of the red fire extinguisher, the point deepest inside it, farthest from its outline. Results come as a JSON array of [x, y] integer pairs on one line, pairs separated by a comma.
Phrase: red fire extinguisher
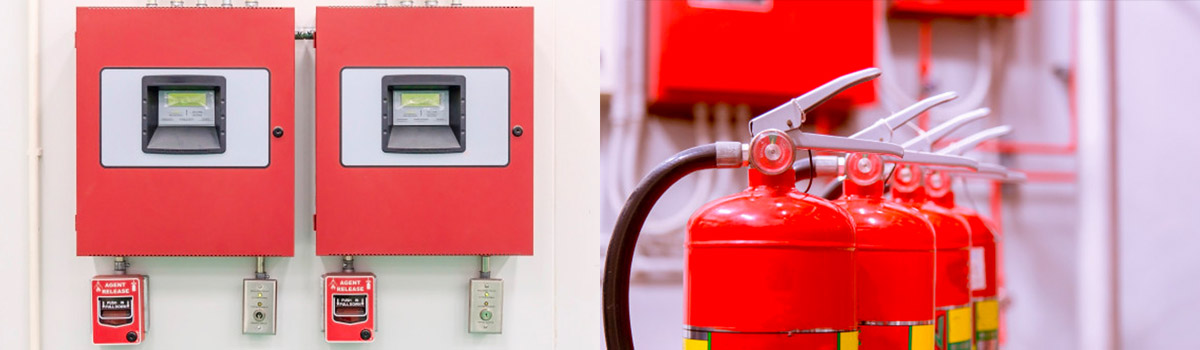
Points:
[[952, 295], [984, 239], [895, 245], [767, 268]]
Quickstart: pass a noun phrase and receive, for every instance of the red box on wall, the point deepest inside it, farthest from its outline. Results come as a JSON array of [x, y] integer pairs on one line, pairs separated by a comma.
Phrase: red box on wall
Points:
[[349, 307], [961, 8], [472, 194], [224, 76], [759, 52], [118, 309]]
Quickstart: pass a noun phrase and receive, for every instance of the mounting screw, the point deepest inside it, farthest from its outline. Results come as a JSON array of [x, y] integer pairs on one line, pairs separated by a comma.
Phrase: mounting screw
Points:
[[131, 336], [518, 131], [365, 334], [278, 132]]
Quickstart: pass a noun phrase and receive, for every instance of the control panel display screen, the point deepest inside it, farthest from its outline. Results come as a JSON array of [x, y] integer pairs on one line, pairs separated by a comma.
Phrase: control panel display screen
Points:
[[186, 108], [421, 107]]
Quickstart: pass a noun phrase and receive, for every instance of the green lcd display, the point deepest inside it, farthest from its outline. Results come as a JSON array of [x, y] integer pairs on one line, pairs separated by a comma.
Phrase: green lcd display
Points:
[[187, 99], [420, 99]]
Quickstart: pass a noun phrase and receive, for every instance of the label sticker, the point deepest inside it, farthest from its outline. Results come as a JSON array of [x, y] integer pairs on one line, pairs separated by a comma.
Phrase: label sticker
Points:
[[954, 329], [848, 341], [978, 269], [921, 337], [987, 320]]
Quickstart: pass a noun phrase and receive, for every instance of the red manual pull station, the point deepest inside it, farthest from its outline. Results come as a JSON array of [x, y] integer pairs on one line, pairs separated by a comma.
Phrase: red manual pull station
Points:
[[118, 309], [349, 307]]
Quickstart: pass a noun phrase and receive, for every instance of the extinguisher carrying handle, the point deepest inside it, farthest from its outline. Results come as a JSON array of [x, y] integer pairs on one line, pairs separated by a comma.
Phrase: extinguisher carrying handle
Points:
[[935, 160], [790, 115], [882, 129], [970, 142], [617, 266], [925, 139]]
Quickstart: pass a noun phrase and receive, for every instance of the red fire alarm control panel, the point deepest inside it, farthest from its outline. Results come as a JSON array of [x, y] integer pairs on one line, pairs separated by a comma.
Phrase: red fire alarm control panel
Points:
[[349, 307], [424, 141], [118, 309], [184, 138]]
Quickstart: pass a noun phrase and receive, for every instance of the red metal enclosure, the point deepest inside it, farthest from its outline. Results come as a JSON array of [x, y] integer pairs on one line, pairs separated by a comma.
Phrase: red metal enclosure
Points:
[[349, 307], [967, 8], [198, 211], [952, 269], [754, 52], [770, 268], [894, 252], [440, 210], [118, 309]]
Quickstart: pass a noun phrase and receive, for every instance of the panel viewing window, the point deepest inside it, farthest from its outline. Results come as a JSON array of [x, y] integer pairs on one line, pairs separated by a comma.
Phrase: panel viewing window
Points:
[[424, 114], [183, 114]]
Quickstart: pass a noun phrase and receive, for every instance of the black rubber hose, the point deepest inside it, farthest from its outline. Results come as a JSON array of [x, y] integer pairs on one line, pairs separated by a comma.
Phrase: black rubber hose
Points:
[[834, 189], [617, 268], [804, 171]]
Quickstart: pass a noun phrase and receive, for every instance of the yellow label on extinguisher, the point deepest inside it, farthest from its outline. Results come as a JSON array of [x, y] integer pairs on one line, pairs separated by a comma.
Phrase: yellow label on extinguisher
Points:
[[693, 344], [848, 341], [987, 319], [920, 337], [954, 329]]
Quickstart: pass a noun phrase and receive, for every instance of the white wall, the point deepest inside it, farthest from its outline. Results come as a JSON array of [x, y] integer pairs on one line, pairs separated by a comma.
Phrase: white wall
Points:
[[1156, 128], [13, 192], [552, 297]]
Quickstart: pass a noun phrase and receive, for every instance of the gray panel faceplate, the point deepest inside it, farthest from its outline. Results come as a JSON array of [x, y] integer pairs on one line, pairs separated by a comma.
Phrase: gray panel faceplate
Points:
[[248, 120], [487, 119]]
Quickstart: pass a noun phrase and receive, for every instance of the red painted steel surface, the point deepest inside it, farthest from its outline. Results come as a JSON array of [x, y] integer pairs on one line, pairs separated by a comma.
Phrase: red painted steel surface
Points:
[[344, 323], [768, 261], [184, 211], [895, 258], [953, 238], [805, 341], [118, 309], [759, 55], [983, 237], [424, 210], [964, 8]]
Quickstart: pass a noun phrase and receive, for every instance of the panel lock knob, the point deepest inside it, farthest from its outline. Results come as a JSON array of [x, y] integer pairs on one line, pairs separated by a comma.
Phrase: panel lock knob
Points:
[[277, 132]]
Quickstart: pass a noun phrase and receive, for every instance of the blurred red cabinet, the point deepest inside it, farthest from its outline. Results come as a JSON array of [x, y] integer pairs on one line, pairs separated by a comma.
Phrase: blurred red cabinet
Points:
[[968, 8], [758, 52]]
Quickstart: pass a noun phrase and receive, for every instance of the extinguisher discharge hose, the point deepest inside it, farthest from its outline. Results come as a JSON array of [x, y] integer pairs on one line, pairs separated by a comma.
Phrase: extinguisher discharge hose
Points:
[[617, 267]]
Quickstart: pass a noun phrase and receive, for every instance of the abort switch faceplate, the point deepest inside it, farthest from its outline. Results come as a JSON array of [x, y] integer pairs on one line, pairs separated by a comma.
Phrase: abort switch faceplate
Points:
[[258, 306]]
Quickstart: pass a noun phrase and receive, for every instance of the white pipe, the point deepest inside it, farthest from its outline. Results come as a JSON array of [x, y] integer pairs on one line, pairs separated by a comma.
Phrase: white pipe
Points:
[[34, 163], [1096, 304], [635, 103], [893, 97]]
